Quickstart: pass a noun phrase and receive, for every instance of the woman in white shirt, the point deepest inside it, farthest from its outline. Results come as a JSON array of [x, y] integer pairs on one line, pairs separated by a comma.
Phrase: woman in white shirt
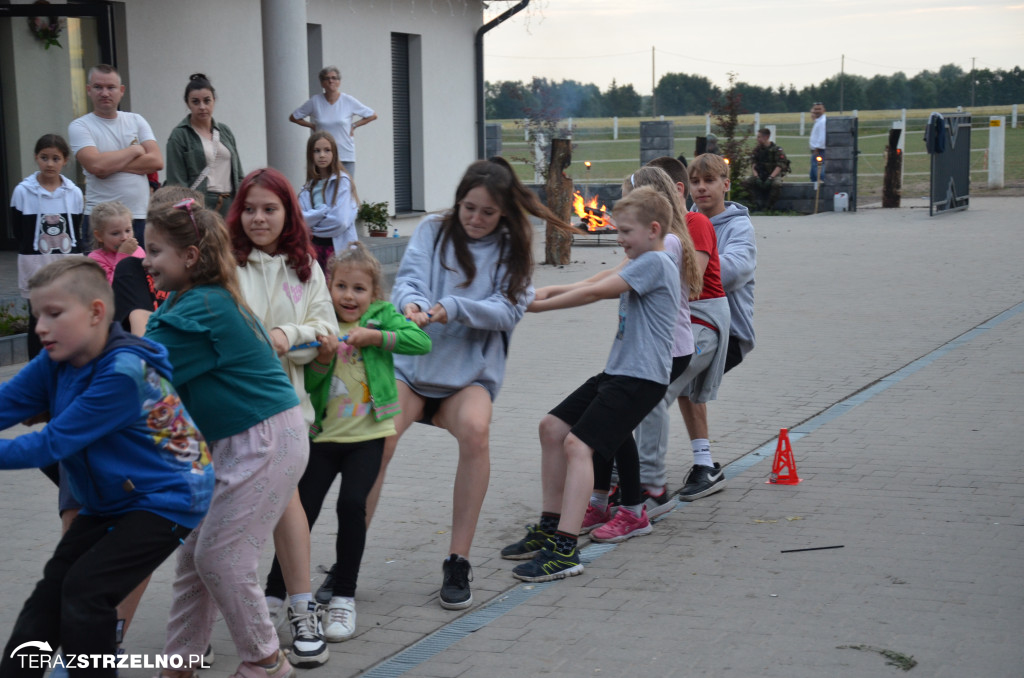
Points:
[[333, 111]]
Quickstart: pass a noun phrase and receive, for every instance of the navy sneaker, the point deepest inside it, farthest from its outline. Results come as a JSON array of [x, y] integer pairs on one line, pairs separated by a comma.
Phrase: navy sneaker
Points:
[[549, 565], [527, 547]]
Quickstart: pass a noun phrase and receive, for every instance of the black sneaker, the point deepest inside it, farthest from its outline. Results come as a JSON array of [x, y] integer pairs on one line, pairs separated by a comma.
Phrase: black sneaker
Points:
[[326, 590], [455, 593], [527, 547], [549, 565], [659, 504], [702, 481]]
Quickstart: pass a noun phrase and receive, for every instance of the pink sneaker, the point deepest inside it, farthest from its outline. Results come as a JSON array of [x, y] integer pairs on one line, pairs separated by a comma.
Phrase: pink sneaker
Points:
[[280, 670], [623, 526], [595, 518]]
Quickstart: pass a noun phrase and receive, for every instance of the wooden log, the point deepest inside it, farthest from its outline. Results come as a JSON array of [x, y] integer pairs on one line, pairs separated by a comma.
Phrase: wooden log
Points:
[[558, 243], [893, 170]]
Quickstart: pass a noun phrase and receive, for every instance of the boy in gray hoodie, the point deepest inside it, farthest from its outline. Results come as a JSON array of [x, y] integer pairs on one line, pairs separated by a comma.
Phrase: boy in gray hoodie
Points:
[[737, 252]]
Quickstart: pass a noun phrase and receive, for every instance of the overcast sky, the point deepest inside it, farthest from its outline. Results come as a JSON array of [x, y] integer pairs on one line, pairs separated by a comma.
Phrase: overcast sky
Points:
[[765, 43]]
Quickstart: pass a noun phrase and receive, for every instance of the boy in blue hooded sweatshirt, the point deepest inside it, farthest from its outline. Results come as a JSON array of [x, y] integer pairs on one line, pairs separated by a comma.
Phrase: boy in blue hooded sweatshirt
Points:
[[133, 456]]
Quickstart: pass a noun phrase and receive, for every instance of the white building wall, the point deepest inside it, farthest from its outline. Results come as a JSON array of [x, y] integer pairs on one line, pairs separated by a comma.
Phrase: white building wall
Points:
[[168, 41], [226, 45], [357, 39]]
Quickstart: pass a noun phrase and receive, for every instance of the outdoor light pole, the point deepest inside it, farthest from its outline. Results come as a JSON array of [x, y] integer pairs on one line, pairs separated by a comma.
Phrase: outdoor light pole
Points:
[[817, 184], [728, 194]]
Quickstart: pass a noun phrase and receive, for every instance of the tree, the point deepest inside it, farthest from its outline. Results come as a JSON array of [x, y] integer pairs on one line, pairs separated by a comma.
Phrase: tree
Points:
[[505, 100], [623, 101], [682, 94], [727, 122], [577, 100]]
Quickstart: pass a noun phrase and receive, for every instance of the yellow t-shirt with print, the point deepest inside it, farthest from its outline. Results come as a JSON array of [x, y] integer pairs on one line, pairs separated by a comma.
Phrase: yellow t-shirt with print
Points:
[[349, 415]]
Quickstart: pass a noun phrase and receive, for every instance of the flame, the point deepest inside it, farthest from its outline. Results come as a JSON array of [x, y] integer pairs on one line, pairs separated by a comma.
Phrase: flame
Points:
[[591, 216]]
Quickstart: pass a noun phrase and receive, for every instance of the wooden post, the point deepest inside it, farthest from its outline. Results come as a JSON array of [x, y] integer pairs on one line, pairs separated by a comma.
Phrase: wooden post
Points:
[[557, 243], [893, 170]]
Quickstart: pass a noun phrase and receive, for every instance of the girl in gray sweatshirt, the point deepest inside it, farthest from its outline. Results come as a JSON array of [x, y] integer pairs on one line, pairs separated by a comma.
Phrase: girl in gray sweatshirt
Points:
[[466, 280]]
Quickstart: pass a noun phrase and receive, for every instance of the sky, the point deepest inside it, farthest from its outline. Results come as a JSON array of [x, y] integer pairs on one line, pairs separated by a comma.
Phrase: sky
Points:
[[799, 42]]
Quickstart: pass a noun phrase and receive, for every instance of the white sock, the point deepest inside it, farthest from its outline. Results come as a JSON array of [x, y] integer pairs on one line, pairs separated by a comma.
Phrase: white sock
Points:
[[300, 600], [635, 510], [654, 490], [701, 452], [274, 602], [599, 500], [338, 600]]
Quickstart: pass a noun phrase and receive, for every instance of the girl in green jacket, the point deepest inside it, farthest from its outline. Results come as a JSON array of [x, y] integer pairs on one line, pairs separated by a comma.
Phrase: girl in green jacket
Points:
[[352, 388]]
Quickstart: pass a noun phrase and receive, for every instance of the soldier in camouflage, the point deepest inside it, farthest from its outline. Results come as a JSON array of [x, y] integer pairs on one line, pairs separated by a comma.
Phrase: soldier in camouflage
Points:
[[770, 164]]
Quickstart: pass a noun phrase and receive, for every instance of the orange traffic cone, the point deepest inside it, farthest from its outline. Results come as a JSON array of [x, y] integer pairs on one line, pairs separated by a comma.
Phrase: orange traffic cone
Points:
[[784, 466]]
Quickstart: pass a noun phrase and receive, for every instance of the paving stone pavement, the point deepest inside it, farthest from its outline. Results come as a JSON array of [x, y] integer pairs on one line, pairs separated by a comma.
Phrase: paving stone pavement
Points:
[[921, 485]]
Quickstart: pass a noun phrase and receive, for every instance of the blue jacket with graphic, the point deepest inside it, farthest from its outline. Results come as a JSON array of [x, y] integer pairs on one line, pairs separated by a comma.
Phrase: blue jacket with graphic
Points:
[[118, 426]]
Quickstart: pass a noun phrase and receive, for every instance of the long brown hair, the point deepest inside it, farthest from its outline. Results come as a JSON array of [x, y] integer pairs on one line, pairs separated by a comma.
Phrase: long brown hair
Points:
[[659, 179], [192, 226], [516, 203], [313, 173]]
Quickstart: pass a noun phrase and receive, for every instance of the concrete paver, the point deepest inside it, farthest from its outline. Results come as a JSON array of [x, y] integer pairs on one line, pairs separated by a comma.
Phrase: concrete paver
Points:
[[921, 484]]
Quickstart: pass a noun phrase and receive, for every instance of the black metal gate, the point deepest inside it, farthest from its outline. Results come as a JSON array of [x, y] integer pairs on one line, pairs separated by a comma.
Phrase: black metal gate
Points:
[[951, 166]]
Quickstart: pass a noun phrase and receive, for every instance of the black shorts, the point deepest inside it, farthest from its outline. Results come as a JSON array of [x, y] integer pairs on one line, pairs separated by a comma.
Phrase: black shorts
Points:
[[606, 409], [430, 409], [733, 354]]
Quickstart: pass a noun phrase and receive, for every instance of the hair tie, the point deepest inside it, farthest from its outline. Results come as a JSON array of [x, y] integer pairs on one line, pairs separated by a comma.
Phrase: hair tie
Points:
[[187, 204]]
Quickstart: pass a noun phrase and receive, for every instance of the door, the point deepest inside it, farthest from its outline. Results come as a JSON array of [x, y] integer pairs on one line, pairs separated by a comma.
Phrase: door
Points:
[[45, 52]]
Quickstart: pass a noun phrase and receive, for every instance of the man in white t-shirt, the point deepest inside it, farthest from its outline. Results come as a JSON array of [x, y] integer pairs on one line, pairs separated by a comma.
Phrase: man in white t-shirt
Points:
[[116, 149], [817, 140]]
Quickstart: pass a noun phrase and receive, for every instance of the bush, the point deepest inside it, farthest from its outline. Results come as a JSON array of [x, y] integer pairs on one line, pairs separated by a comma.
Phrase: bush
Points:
[[13, 320]]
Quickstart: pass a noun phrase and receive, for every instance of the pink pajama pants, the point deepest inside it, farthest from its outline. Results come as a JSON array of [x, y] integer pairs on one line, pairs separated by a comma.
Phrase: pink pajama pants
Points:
[[257, 472]]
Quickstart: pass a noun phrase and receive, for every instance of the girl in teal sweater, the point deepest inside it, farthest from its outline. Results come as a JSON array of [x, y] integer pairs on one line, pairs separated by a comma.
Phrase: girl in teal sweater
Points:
[[354, 395], [228, 375]]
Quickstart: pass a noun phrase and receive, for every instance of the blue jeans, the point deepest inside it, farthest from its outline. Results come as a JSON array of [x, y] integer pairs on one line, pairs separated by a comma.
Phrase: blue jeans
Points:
[[814, 166]]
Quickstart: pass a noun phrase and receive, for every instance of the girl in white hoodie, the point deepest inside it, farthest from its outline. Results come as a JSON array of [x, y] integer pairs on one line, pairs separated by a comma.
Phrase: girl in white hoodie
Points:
[[286, 290], [46, 213]]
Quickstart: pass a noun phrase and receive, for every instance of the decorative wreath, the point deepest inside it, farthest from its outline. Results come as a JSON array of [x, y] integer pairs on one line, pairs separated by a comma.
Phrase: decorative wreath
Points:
[[45, 28]]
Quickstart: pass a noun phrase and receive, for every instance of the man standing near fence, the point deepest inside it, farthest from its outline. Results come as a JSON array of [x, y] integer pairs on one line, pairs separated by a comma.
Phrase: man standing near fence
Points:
[[818, 140]]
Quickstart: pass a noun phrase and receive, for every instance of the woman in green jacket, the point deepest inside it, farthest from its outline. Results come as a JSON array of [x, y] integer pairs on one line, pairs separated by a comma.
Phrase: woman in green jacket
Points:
[[201, 153]]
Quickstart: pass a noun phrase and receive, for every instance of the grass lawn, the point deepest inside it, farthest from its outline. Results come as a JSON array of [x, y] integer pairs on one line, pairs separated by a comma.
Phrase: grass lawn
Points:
[[613, 159]]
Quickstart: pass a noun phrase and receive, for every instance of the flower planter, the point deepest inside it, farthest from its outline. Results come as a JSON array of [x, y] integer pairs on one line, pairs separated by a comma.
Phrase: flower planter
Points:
[[13, 349]]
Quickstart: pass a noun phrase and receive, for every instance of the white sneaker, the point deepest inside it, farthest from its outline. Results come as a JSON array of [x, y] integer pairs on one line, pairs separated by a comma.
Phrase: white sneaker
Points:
[[340, 619], [308, 647]]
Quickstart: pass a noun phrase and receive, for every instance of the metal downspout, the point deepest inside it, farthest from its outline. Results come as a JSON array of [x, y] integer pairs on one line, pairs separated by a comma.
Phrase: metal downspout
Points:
[[478, 52]]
